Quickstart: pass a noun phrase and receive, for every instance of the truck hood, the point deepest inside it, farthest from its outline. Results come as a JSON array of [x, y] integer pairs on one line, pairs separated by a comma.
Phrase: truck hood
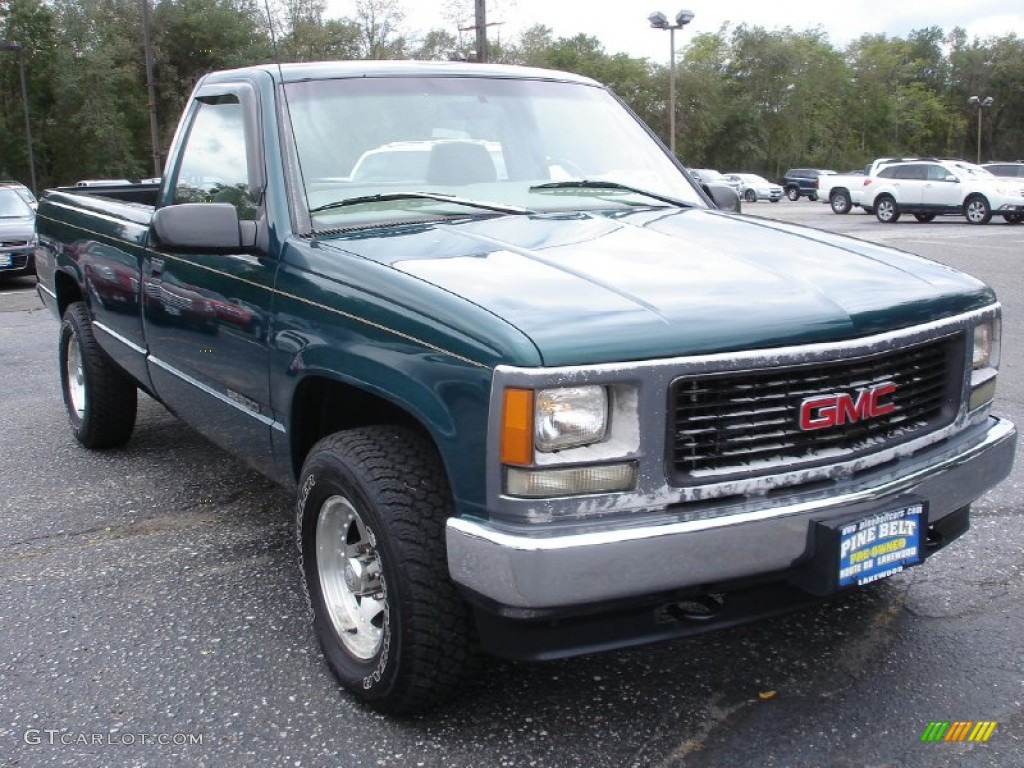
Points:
[[591, 288]]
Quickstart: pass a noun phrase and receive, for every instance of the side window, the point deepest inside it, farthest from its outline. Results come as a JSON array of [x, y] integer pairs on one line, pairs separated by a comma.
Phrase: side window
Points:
[[890, 172], [937, 173], [915, 172], [213, 165]]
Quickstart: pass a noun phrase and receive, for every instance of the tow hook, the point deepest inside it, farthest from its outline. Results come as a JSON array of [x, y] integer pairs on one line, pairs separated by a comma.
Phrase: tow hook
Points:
[[699, 608]]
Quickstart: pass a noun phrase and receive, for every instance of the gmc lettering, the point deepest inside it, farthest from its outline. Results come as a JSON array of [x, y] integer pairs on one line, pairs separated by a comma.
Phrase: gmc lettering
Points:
[[835, 410]]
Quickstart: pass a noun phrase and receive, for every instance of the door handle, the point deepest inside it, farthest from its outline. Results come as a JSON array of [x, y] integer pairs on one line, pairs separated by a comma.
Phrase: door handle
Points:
[[156, 267]]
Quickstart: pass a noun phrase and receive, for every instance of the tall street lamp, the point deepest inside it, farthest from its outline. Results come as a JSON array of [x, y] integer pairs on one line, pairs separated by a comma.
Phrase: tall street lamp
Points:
[[980, 104], [660, 21], [10, 45]]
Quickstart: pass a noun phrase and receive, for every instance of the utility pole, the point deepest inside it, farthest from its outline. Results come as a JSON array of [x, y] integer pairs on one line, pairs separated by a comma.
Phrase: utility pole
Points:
[[481, 31], [154, 133]]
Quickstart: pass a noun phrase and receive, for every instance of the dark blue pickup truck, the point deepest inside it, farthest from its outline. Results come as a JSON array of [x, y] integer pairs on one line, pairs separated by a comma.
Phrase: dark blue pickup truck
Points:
[[536, 393]]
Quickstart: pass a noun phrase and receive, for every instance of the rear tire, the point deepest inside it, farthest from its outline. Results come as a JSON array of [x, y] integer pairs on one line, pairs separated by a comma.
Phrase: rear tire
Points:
[[924, 218], [750, 196], [886, 210], [793, 193], [840, 201], [1013, 218], [100, 399], [371, 531]]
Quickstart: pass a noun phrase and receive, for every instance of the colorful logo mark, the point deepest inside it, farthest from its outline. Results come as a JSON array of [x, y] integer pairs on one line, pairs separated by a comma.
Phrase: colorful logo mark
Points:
[[958, 730]]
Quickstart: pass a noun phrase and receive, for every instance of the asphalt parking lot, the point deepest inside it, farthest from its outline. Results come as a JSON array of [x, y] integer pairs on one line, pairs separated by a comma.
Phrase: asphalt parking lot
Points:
[[152, 613]]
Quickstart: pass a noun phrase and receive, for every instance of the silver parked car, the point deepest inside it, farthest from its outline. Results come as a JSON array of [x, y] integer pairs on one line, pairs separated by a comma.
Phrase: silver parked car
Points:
[[752, 187], [1013, 170], [17, 235]]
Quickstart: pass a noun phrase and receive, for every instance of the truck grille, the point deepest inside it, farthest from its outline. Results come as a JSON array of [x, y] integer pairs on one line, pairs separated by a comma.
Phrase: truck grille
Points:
[[749, 422]]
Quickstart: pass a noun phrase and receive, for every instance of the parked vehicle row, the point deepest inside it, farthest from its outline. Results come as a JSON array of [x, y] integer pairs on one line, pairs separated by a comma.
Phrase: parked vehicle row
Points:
[[928, 187], [749, 186], [931, 188]]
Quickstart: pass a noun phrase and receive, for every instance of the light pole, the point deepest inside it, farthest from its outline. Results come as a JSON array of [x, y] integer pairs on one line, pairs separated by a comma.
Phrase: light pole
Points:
[[660, 21], [980, 104], [10, 45]]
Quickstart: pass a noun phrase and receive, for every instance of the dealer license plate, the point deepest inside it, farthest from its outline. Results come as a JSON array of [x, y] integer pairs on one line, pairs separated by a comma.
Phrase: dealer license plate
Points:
[[880, 545]]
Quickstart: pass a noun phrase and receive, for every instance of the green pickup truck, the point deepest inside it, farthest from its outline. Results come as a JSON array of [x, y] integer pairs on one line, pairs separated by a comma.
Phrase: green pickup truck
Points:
[[537, 394]]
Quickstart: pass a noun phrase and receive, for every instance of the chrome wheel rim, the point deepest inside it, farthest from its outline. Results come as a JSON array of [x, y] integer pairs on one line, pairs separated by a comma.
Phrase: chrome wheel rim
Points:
[[975, 210], [351, 580], [885, 210], [76, 378], [839, 203]]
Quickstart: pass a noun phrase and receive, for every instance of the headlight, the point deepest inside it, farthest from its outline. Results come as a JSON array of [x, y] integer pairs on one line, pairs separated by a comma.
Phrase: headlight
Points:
[[562, 441], [570, 416], [986, 345]]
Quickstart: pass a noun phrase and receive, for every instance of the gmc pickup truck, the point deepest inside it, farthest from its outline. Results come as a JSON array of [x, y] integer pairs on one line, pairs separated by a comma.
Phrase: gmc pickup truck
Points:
[[536, 394]]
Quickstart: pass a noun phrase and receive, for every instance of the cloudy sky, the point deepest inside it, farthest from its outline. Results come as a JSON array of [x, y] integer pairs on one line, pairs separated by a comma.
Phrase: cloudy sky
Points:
[[621, 25]]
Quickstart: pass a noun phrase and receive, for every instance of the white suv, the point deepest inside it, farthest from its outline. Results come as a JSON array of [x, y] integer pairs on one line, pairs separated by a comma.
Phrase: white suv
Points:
[[928, 188]]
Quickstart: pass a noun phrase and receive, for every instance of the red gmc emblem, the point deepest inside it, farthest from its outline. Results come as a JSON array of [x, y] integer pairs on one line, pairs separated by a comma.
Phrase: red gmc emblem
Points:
[[823, 411]]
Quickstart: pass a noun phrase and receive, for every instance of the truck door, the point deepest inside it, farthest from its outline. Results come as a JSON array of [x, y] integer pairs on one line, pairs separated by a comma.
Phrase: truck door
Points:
[[206, 314]]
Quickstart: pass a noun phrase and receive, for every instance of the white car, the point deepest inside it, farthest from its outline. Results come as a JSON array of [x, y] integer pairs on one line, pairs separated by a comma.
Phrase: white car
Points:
[[411, 160], [752, 187], [929, 188]]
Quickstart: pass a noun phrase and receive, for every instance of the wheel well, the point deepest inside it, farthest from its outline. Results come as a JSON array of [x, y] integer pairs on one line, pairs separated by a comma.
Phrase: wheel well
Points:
[[324, 406], [67, 291]]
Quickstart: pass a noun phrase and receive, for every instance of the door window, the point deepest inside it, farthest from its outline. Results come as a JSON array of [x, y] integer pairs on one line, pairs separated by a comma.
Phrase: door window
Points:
[[214, 167]]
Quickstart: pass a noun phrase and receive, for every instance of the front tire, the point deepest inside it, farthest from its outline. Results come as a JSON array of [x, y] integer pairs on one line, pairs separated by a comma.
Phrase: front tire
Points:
[[886, 210], [101, 401], [793, 193], [977, 210], [371, 531], [840, 201], [1013, 218], [924, 218]]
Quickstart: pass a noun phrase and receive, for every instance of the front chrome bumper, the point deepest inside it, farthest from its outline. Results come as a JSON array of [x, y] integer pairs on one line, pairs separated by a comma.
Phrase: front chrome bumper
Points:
[[549, 567]]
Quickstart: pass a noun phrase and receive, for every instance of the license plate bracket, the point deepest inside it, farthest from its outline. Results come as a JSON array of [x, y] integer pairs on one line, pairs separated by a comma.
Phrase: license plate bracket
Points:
[[864, 546]]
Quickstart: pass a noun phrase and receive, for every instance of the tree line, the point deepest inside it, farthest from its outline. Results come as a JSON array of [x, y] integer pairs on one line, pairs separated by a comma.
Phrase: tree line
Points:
[[748, 98]]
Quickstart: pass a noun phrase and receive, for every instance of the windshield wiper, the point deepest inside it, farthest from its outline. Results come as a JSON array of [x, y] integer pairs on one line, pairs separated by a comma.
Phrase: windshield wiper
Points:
[[367, 199], [609, 185]]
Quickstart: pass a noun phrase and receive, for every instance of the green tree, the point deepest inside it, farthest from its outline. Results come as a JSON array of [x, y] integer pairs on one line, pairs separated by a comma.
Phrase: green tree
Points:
[[31, 24], [380, 23]]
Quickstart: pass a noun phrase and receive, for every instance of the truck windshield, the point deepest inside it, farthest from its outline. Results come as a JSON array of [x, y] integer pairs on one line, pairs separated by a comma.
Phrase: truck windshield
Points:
[[493, 139]]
